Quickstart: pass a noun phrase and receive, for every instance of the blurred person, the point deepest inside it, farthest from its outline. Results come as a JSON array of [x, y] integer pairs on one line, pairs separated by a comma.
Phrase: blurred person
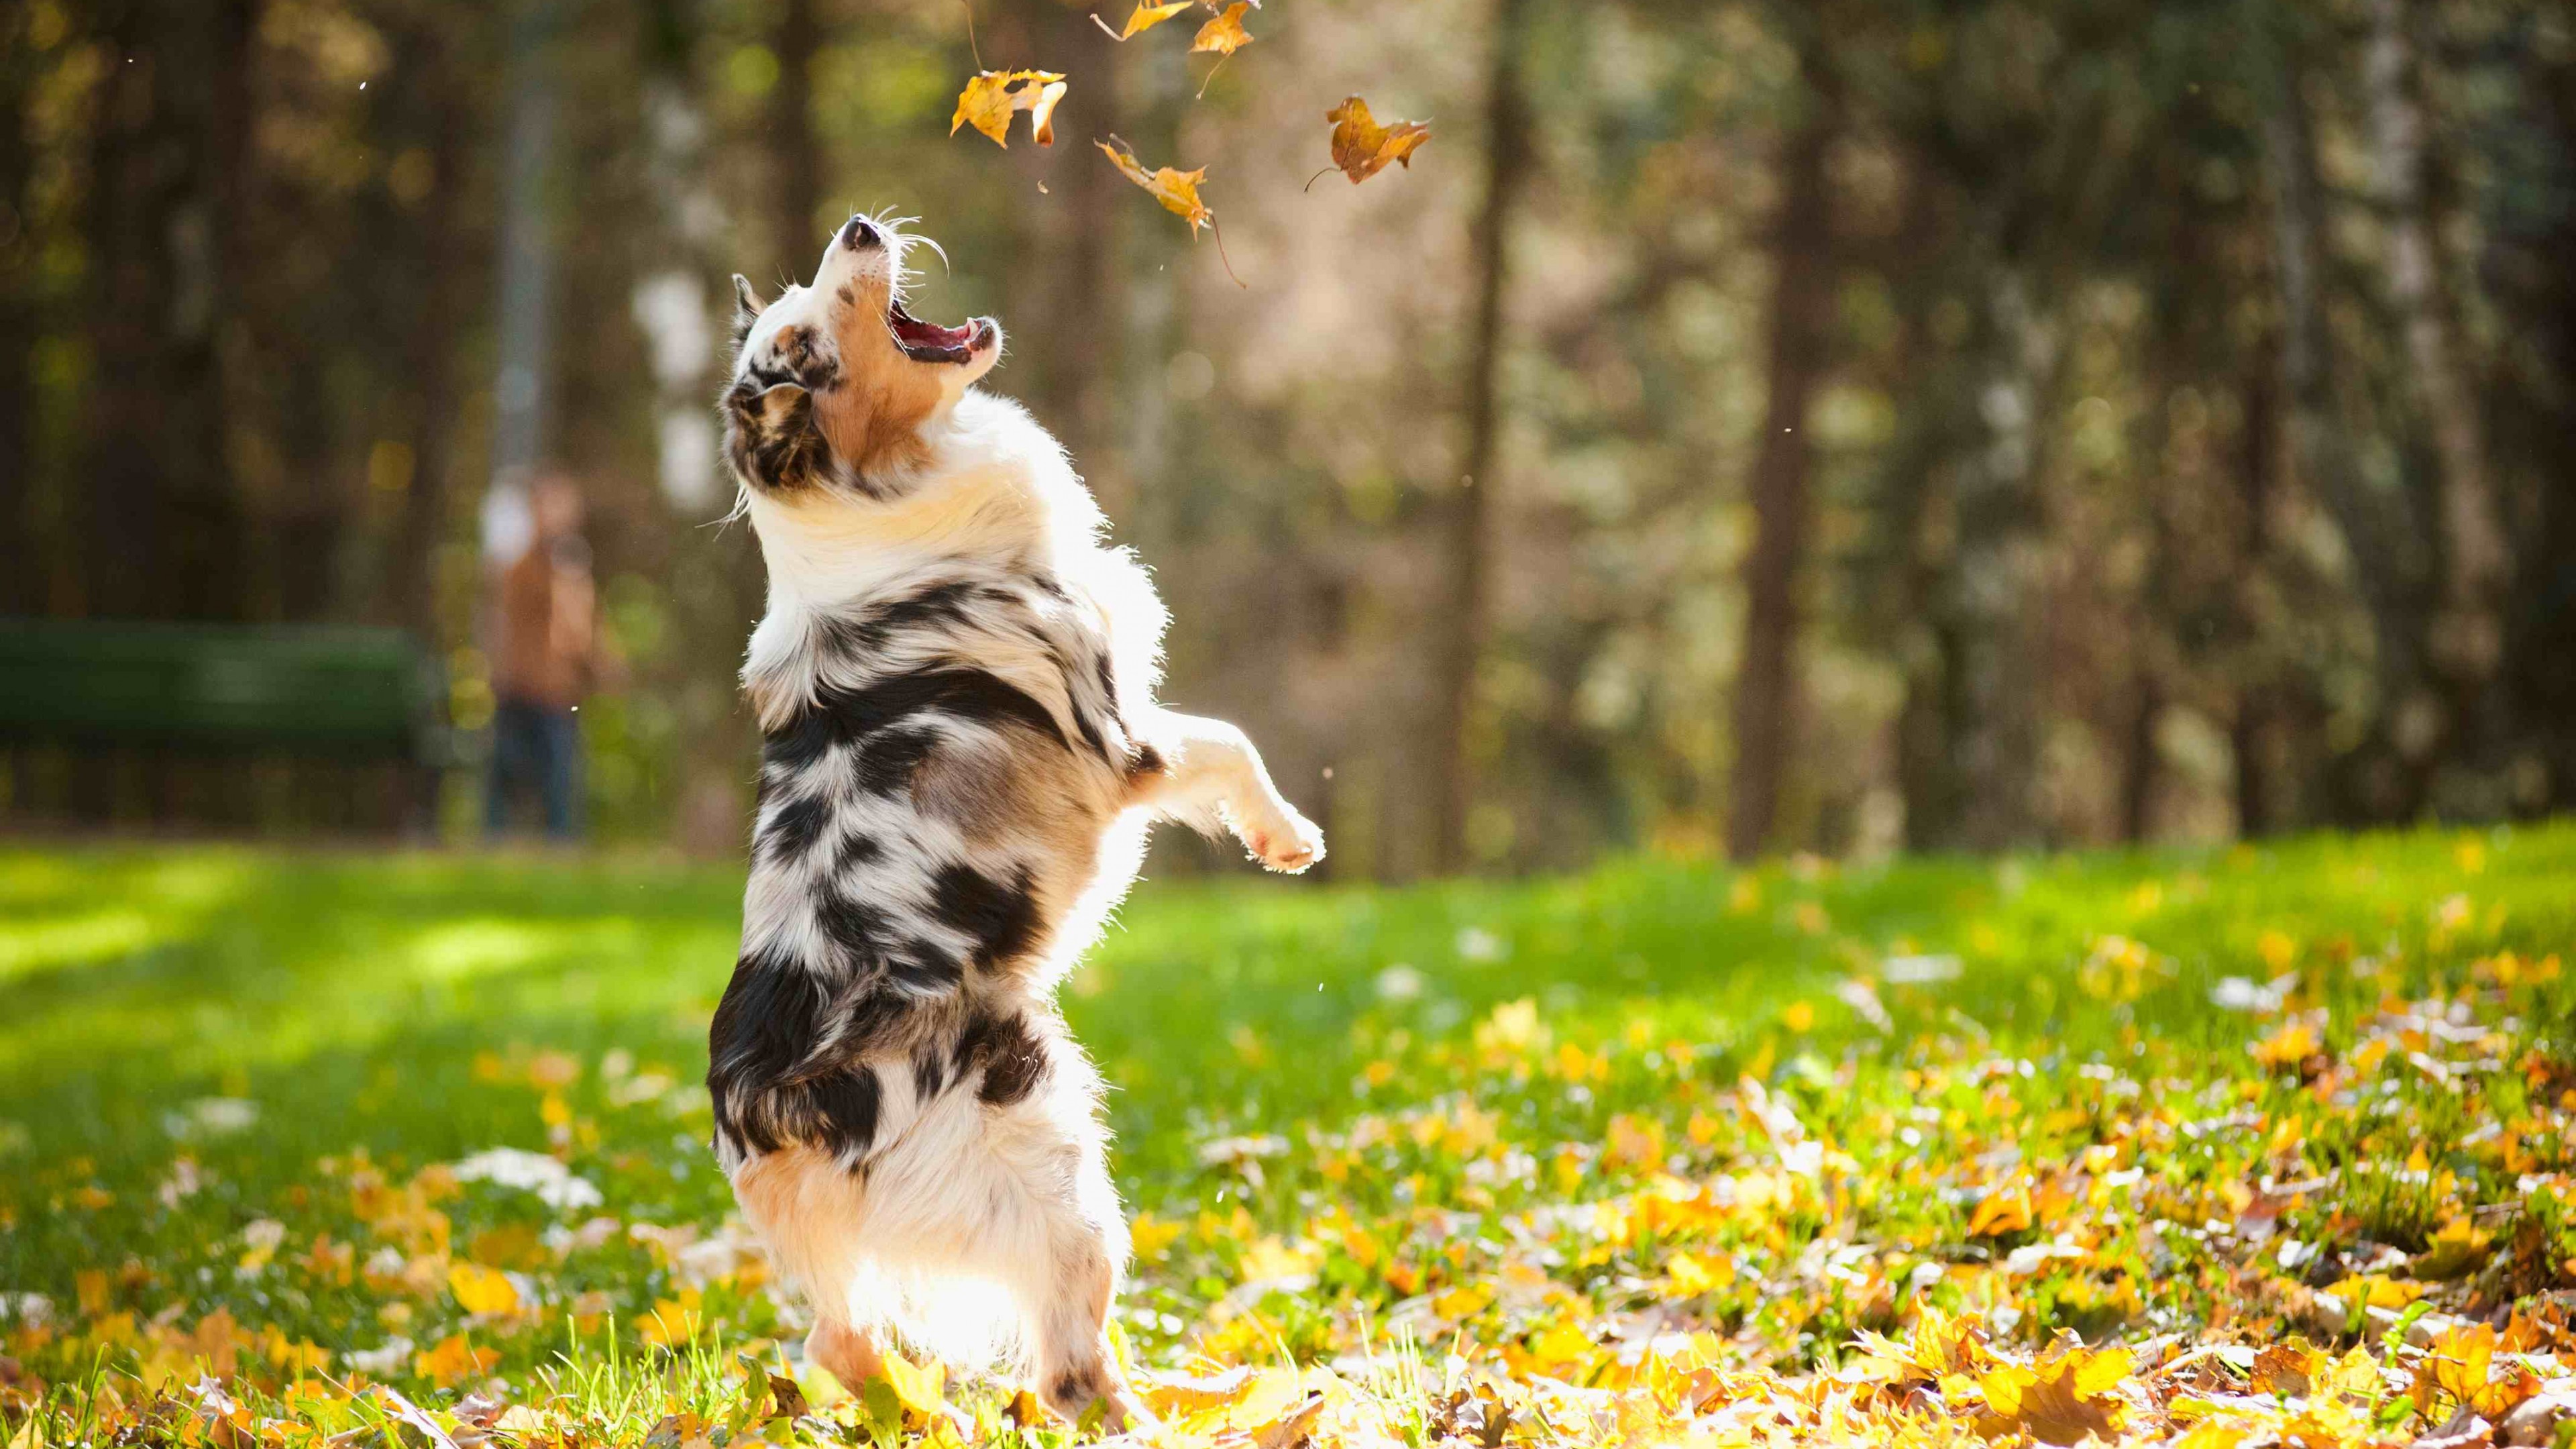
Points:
[[550, 655]]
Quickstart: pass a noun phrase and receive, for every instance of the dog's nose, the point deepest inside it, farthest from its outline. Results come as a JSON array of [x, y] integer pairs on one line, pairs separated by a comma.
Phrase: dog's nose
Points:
[[860, 234]]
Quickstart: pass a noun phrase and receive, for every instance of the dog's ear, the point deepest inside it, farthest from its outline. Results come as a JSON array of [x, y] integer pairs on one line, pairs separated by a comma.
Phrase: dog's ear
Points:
[[747, 308], [771, 438]]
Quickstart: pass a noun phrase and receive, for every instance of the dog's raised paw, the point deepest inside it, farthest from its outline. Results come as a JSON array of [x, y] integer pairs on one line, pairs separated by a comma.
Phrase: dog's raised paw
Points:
[[1288, 845]]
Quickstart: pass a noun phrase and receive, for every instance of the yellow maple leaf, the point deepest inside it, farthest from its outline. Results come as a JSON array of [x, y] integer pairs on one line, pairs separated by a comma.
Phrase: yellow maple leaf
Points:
[[1145, 18], [1363, 148], [1178, 191], [1152, 1237], [2004, 1210], [993, 96], [2284, 1049], [921, 1388], [1225, 34], [2063, 1398], [481, 1289], [673, 1321], [453, 1361], [1692, 1276]]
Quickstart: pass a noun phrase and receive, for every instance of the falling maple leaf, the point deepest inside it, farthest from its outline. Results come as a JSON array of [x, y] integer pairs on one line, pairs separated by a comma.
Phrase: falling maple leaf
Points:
[[1362, 147], [1177, 190], [1145, 18], [1225, 34], [992, 96]]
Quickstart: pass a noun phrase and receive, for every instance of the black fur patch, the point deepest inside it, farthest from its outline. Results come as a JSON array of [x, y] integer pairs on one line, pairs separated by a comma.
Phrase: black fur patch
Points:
[[851, 716], [887, 761], [999, 917], [855, 927], [1074, 1387], [792, 831], [929, 1074], [762, 1030], [1010, 1056], [856, 851], [771, 440], [844, 1109], [924, 968]]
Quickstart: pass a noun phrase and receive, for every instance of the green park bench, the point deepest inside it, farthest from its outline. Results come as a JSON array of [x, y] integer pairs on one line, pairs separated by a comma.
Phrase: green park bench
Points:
[[302, 692]]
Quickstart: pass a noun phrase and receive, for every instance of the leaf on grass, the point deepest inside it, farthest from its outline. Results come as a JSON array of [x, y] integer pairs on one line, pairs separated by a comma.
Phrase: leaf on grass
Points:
[[991, 98], [481, 1289], [454, 1360], [1298, 1424], [2004, 1210], [1362, 147], [921, 1389], [1175, 1395], [1145, 18], [1177, 190], [1225, 34], [2060, 1400], [786, 1400]]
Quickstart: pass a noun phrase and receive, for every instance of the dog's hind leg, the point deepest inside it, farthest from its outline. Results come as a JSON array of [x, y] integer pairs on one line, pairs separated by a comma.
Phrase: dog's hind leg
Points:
[[807, 1207], [1057, 1241]]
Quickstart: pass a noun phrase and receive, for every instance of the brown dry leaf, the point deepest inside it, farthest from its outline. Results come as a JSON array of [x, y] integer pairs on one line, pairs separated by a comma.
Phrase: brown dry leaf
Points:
[[1225, 34], [1145, 18], [1177, 190], [2288, 1369], [992, 96], [2061, 1399], [786, 1400], [1362, 147]]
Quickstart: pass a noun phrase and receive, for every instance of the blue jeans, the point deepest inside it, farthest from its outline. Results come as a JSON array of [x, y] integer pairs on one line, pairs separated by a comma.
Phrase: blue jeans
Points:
[[536, 747]]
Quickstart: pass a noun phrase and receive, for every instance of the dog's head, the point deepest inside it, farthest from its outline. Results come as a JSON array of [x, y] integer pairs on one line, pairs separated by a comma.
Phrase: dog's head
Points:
[[835, 384]]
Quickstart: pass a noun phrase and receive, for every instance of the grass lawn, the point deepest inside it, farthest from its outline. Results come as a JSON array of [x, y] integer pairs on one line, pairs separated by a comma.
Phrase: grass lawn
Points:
[[2244, 1145]]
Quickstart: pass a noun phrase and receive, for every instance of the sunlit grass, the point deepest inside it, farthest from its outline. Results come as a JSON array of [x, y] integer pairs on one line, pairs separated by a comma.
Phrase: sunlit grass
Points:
[[1353, 1123]]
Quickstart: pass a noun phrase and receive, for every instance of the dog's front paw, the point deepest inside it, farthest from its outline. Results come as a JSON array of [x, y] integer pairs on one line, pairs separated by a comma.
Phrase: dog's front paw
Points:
[[1282, 840]]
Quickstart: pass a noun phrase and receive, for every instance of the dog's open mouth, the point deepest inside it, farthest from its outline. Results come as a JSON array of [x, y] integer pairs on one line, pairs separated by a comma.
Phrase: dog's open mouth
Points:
[[927, 341]]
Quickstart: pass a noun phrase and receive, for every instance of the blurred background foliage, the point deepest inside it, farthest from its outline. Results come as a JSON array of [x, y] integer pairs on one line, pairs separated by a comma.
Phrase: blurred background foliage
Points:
[[1810, 424]]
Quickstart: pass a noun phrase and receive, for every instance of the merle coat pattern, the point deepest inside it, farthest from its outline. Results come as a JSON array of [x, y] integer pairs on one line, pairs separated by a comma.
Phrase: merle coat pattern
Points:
[[954, 682]]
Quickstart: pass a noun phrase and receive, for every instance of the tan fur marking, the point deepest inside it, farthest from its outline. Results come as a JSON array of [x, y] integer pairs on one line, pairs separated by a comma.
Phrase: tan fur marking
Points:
[[873, 417]]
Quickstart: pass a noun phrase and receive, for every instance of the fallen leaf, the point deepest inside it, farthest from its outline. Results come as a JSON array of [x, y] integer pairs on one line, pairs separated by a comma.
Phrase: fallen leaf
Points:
[[2061, 1399], [1225, 34], [1362, 147], [992, 96], [786, 1400], [482, 1290], [919, 1388], [454, 1360]]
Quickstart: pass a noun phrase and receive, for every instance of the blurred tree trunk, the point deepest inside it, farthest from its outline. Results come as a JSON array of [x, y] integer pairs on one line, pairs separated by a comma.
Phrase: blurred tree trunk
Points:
[[2377, 785], [22, 574], [795, 151], [2467, 635], [443, 280], [1460, 636], [2259, 677], [167, 156], [1767, 702], [1993, 593]]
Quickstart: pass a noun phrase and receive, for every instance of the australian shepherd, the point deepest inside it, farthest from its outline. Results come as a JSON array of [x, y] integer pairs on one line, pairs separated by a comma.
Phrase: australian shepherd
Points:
[[961, 753]]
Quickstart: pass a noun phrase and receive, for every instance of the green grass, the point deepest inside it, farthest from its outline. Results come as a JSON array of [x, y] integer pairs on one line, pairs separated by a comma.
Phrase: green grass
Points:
[[382, 1013]]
